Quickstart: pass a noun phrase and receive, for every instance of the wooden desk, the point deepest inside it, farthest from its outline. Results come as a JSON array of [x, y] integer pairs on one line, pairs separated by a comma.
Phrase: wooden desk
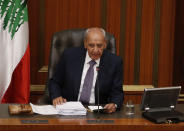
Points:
[[79, 123]]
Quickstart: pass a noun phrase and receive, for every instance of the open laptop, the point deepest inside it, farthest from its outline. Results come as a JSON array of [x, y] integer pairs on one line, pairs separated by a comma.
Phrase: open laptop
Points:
[[158, 105]]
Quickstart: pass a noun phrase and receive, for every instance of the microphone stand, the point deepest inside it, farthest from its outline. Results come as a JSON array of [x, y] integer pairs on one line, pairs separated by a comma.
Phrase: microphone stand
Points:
[[98, 92], [98, 104]]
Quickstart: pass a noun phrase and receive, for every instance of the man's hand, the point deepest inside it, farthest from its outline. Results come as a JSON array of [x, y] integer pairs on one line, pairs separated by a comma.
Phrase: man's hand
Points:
[[58, 101], [110, 108]]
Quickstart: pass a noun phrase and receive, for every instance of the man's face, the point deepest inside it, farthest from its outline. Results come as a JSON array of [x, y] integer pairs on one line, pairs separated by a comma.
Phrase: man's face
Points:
[[95, 44]]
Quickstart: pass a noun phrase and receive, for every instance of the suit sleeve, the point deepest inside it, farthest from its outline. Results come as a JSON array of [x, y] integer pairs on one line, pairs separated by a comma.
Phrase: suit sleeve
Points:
[[56, 82], [116, 95]]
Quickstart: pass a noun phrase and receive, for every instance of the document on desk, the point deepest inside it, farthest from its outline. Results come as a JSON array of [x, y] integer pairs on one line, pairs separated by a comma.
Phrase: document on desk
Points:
[[71, 108], [68, 108], [44, 109]]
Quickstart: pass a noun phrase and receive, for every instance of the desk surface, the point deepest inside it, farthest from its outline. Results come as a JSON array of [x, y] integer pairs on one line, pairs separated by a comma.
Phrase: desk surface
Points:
[[68, 123]]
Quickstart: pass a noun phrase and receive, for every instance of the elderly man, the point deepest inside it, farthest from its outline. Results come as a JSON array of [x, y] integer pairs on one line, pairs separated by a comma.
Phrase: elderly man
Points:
[[81, 69]]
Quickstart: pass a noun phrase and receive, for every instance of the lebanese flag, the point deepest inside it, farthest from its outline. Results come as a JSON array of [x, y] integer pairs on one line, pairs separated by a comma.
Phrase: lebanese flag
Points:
[[14, 52]]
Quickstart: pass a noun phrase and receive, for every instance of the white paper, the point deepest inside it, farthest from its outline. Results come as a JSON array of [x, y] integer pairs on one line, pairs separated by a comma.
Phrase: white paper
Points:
[[95, 107], [68, 108], [44, 109], [71, 108]]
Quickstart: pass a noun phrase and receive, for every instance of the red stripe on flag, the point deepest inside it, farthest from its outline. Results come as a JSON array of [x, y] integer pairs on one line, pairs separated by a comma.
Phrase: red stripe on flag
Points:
[[19, 88]]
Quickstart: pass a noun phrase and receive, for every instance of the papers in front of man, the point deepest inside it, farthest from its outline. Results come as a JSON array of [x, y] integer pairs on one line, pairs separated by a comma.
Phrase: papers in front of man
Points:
[[44, 109], [71, 108], [68, 108]]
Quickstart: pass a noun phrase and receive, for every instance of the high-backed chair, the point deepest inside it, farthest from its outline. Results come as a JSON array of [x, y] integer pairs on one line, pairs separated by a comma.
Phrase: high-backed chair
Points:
[[61, 41]]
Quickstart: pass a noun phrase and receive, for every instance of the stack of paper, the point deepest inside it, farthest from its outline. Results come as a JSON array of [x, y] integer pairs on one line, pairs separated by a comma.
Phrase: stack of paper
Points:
[[68, 108], [71, 108], [44, 109]]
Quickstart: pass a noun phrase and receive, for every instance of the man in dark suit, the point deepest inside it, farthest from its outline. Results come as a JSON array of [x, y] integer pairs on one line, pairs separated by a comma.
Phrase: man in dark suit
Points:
[[76, 79]]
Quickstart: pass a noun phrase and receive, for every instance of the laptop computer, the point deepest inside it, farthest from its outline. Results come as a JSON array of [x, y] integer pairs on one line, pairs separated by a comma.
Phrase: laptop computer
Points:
[[158, 105]]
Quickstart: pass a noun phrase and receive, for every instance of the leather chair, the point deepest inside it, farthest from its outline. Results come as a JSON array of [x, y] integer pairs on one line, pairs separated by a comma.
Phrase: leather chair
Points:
[[61, 41]]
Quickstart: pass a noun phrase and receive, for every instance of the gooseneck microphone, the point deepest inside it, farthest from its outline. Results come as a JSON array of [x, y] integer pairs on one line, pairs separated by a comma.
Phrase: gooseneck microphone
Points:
[[97, 85], [98, 111]]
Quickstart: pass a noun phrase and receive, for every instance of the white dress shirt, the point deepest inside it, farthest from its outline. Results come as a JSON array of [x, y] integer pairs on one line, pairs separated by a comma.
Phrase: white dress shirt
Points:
[[85, 69]]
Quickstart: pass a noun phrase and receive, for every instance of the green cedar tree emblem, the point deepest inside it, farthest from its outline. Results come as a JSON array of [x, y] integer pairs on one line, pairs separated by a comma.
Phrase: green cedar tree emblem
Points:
[[15, 14]]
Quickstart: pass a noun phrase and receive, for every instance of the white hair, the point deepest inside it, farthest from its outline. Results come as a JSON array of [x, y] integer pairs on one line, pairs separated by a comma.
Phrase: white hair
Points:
[[94, 28]]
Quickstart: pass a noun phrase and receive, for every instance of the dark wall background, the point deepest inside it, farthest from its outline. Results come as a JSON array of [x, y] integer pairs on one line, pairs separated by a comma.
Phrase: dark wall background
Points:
[[178, 71], [147, 38]]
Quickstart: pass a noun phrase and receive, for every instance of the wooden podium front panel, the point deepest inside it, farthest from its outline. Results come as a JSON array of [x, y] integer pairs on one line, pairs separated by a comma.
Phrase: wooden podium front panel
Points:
[[121, 122], [82, 125]]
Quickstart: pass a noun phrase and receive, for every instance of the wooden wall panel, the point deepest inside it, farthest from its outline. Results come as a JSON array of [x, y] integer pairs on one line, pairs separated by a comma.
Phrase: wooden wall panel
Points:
[[113, 19], [178, 68], [147, 49], [52, 17], [147, 42], [33, 36], [89, 13], [166, 43], [129, 42], [34, 39], [68, 14]]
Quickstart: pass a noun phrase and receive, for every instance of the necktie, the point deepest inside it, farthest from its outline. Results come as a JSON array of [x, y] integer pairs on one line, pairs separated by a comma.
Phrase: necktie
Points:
[[88, 83]]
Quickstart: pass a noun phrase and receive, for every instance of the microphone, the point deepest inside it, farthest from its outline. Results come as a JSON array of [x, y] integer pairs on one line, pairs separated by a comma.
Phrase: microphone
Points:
[[98, 110], [97, 85]]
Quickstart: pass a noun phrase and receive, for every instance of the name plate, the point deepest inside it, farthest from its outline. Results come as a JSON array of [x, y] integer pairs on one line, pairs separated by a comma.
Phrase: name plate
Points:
[[34, 121], [99, 121]]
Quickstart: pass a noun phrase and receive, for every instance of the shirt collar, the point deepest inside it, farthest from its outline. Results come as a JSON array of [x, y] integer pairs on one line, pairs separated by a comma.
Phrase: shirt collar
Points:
[[88, 59]]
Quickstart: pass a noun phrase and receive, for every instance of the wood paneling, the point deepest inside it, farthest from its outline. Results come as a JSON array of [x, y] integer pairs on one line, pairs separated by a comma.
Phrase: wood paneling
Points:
[[129, 42], [178, 68], [34, 40], [137, 41], [67, 14], [147, 42], [166, 43], [134, 96], [156, 42], [147, 49], [113, 19]]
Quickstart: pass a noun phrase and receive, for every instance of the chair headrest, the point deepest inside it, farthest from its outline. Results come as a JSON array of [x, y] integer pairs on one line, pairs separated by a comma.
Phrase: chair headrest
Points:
[[71, 38]]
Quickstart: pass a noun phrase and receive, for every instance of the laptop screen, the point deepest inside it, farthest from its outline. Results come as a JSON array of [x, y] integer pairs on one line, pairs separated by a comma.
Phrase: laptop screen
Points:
[[164, 97]]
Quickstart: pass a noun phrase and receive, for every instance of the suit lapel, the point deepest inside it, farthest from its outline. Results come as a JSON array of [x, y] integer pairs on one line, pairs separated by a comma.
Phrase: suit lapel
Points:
[[79, 69]]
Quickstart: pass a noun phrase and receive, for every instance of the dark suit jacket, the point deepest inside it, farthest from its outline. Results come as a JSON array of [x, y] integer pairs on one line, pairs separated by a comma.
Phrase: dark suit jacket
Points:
[[67, 78]]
